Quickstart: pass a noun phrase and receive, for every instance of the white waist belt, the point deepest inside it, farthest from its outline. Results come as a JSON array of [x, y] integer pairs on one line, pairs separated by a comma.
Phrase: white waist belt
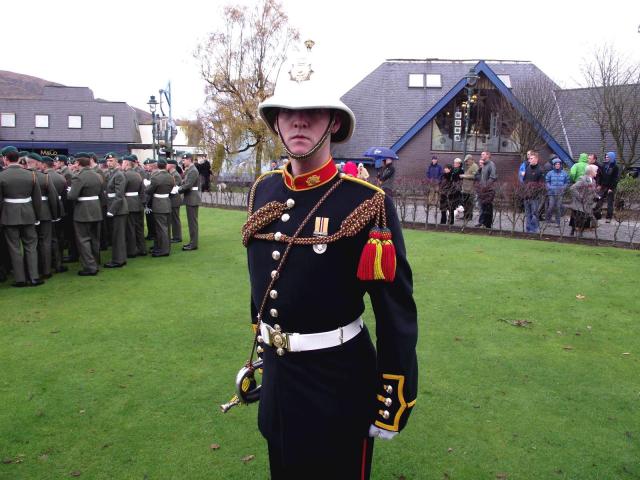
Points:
[[194, 188], [45, 199], [87, 199], [161, 195], [131, 194], [297, 342], [59, 197], [111, 195], [18, 200]]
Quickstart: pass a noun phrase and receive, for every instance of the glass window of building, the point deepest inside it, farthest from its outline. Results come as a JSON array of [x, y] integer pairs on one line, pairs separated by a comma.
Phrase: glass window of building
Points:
[[75, 121], [42, 121], [434, 80], [7, 119], [488, 127], [416, 80], [106, 121]]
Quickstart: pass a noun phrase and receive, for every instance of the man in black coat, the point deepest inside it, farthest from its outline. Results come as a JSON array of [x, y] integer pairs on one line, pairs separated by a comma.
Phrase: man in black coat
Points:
[[312, 237]]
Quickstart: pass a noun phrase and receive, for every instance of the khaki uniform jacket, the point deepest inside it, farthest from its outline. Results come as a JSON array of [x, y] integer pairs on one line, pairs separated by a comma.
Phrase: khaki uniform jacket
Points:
[[49, 209], [134, 185], [87, 183], [16, 182], [116, 188], [61, 187], [190, 187], [103, 176], [161, 184], [176, 200]]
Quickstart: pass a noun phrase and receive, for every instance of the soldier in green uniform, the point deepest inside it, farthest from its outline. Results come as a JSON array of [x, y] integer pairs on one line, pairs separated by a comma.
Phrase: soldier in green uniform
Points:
[[87, 192], [117, 211], [150, 168], [175, 231], [57, 244], [48, 214], [65, 166], [20, 205], [191, 191], [158, 191], [135, 221]]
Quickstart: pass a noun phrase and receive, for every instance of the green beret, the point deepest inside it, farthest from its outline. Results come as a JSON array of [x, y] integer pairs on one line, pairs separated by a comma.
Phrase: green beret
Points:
[[162, 162], [93, 155], [34, 156], [62, 158], [47, 160], [111, 155], [187, 155], [150, 161], [126, 157], [23, 153], [134, 157], [172, 162], [82, 155], [7, 149], [101, 161]]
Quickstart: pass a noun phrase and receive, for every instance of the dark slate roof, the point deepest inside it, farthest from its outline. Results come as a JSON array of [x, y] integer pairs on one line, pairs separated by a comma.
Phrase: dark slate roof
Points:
[[386, 108], [28, 96], [582, 130]]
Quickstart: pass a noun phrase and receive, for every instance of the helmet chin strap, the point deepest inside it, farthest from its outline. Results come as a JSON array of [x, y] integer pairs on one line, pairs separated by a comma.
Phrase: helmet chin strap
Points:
[[315, 148]]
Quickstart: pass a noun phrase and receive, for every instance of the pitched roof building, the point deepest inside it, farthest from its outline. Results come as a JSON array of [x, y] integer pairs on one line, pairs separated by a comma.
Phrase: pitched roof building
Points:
[[418, 109], [51, 118]]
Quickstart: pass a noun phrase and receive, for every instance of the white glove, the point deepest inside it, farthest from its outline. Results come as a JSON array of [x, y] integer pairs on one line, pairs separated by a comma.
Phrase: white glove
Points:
[[68, 189], [146, 182], [147, 210], [57, 220], [175, 190], [37, 223], [376, 432], [109, 214]]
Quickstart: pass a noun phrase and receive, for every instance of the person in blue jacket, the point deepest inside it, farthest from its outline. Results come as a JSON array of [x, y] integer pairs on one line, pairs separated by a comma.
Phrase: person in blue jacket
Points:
[[557, 181]]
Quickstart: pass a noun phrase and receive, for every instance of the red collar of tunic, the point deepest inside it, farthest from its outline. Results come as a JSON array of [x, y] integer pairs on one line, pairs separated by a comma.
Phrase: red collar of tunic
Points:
[[313, 179]]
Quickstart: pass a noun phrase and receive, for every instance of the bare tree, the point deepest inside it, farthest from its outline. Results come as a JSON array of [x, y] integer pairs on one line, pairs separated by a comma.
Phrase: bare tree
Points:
[[534, 112], [240, 65], [613, 101]]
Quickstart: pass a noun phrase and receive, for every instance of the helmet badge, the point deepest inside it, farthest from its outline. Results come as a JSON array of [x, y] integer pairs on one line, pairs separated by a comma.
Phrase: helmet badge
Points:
[[301, 70]]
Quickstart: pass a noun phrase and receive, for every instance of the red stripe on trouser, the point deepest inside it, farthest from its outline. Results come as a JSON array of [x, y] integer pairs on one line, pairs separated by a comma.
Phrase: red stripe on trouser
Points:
[[364, 460]]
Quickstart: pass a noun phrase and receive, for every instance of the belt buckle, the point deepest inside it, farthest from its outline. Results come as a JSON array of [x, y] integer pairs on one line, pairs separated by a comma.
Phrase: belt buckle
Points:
[[279, 339]]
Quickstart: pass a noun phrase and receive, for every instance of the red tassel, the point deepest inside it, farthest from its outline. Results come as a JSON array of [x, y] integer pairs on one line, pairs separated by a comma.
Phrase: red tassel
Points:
[[366, 267], [388, 257]]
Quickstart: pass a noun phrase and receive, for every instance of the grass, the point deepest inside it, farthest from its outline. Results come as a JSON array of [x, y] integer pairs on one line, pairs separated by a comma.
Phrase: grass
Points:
[[120, 376]]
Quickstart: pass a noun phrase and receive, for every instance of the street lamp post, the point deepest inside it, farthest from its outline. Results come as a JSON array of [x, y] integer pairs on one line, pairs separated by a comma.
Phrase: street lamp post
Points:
[[153, 104], [471, 79]]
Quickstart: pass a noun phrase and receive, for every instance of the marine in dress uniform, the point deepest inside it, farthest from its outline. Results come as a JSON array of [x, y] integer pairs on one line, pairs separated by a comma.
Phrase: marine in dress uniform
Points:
[[134, 195], [175, 231], [87, 193], [191, 190], [117, 211], [317, 241], [158, 191], [20, 206], [57, 244], [48, 214]]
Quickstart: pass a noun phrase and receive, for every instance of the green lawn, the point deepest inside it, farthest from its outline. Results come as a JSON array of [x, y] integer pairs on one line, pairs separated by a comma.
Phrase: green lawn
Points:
[[120, 376]]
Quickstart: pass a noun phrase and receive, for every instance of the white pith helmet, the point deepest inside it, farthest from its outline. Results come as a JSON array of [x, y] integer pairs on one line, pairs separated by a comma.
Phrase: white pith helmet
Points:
[[302, 89]]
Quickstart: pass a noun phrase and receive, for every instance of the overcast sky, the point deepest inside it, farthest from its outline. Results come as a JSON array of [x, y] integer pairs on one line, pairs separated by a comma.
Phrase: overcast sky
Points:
[[127, 50]]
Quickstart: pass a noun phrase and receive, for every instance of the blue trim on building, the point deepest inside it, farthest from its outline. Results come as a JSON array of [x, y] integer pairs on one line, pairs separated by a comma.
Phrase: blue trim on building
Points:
[[99, 148], [482, 67]]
